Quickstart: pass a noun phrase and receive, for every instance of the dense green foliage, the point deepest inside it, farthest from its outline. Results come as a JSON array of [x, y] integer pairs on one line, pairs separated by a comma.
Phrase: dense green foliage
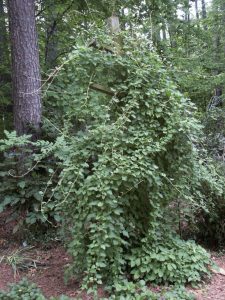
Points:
[[129, 291], [131, 157], [22, 291], [25, 190], [169, 259], [25, 290], [127, 163]]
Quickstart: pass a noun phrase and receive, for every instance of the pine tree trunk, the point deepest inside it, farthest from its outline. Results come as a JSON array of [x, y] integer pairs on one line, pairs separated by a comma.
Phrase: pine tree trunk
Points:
[[187, 12], [26, 81], [3, 45], [51, 45], [172, 33], [204, 13], [218, 40], [196, 9], [223, 12]]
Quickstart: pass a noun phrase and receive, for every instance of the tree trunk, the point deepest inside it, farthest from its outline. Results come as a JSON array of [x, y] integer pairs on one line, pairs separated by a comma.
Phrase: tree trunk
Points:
[[51, 44], [204, 13], [164, 31], [172, 33], [3, 43], [26, 81], [196, 9], [223, 12], [187, 15], [216, 52]]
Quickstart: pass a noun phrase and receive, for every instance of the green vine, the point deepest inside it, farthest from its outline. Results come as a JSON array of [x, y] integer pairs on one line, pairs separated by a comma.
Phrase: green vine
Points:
[[126, 157]]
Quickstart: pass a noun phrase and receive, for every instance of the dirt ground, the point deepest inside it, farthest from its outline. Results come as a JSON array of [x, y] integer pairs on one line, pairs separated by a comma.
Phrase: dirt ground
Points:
[[215, 289], [45, 266]]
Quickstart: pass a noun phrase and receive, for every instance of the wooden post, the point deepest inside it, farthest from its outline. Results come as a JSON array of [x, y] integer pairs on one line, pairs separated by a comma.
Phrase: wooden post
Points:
[[113, 24], [114, 28]]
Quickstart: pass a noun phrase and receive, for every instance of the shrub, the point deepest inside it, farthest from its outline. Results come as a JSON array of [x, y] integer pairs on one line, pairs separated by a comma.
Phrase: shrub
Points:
[[130, 291], [124, 159], [25, 190], [23, 290], [169, 260], [124, 290], [130, 157]]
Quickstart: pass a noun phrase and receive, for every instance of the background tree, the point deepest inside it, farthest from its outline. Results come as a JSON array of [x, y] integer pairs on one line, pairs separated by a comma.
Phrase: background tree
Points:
[[5, 77], [26, 81], [51, 43], [2, 33], [204, 13]]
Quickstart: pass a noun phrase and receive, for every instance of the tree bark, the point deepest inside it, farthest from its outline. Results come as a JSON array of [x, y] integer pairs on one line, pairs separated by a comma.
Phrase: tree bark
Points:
[[187, 15], [216, 51], [164, 31], [26, 81], [51, 45], [3, 40], [196, 9], [204, 13]]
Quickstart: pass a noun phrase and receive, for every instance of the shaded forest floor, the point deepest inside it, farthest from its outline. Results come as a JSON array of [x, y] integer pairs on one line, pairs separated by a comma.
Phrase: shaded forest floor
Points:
[[215, 288], [45, 265]]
